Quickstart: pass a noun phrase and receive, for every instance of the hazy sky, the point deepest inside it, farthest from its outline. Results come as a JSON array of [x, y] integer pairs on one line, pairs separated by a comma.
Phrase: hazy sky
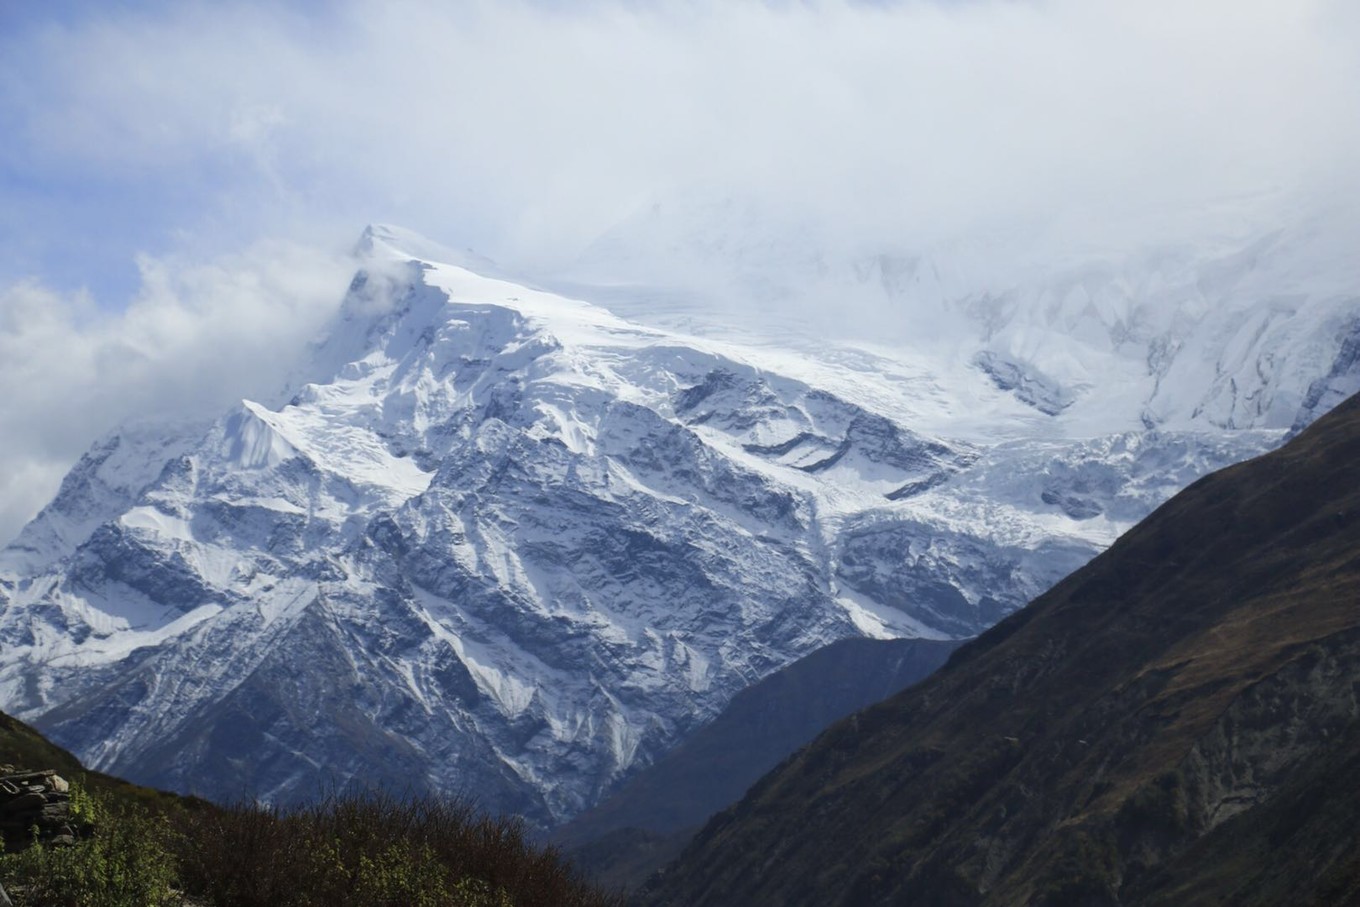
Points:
[[178, 179]]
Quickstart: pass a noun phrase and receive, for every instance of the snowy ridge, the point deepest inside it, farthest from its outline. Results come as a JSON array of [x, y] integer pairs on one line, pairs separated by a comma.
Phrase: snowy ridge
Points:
[[503, 542], [103, 484], [1220, 317]]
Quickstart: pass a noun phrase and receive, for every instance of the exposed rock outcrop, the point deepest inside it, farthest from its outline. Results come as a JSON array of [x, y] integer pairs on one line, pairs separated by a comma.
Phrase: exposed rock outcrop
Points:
[[35, 806]]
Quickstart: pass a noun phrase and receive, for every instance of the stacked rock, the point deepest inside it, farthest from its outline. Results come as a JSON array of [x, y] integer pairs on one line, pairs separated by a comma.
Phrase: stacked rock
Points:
[[35, 800]]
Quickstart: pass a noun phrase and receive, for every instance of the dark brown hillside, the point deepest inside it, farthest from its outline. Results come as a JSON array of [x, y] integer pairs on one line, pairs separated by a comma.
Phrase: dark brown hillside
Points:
[[1175, 723]]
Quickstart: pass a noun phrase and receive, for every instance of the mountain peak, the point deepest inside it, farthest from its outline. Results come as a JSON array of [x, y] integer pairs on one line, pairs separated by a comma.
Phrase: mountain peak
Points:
[[506, 540], [389, 242]]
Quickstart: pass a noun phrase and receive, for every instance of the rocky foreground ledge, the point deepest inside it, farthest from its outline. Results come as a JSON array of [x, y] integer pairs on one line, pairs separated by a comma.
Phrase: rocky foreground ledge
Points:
[[36, 806]]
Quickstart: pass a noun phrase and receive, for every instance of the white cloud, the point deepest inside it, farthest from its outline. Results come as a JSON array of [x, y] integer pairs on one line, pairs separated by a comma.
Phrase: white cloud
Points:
[[525, 129], [195, 339]]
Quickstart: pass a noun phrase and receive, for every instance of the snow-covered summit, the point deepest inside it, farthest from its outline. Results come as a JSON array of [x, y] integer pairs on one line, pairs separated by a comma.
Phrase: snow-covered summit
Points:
[[1218, 318], [506, 542]]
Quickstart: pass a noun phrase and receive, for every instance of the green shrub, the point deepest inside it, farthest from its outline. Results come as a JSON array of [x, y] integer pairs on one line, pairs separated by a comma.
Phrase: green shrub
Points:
[[367, 850], [476, 893], [128, 863], [372, 850], [398, 876], [84, 805]]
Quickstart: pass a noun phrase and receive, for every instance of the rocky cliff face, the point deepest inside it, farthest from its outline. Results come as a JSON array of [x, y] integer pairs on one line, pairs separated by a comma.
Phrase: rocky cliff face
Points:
[[497, 542]]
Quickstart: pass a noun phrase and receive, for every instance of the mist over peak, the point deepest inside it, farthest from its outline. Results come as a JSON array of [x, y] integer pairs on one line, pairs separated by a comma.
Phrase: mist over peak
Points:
[[182, 177]]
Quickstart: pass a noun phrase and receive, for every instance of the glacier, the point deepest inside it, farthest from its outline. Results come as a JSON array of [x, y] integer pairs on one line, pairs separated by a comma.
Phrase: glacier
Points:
[[499, 542]]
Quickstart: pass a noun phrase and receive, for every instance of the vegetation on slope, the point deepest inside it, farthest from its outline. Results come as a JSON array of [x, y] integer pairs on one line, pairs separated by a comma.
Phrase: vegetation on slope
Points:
[[149, 849], [22, 746]]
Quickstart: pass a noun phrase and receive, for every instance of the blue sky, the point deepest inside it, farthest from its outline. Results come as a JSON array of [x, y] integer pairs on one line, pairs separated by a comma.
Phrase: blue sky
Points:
[[179, 180], [69, 215]]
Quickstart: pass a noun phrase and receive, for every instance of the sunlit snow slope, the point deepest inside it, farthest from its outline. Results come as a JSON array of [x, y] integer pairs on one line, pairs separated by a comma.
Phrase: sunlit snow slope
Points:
[[505, 544]]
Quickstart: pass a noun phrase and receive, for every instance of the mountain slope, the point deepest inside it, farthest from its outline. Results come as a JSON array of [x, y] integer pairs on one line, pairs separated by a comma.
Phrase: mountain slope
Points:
[[641, 826], [496, 540], [1235, 314], [1134, 736]]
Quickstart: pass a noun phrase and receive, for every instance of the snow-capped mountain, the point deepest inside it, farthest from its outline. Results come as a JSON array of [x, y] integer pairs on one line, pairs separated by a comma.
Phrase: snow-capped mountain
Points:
[[499, 542]]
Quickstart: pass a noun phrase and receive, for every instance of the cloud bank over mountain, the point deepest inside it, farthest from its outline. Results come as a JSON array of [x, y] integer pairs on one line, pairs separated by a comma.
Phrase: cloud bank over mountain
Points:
[[194, 335], [154, 150], [525, 129]]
